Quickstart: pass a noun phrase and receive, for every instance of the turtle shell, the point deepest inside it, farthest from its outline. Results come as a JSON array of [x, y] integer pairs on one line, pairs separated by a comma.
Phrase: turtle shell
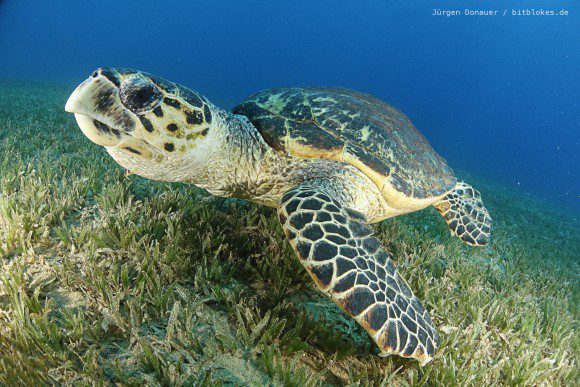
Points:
[[356, 128]]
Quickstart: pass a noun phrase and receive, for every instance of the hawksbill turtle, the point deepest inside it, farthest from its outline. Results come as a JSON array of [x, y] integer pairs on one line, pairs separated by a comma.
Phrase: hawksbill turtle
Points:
[[331, 160]]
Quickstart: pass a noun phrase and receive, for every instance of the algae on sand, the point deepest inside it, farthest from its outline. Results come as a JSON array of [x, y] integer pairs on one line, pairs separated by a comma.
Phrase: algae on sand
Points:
[[114, 278]]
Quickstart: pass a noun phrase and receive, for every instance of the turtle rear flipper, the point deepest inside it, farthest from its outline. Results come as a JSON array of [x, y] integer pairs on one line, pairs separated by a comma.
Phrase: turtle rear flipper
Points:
[[465, 214]]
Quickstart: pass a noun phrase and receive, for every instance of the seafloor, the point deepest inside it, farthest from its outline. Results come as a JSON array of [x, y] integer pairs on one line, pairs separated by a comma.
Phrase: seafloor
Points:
[[107, 277]]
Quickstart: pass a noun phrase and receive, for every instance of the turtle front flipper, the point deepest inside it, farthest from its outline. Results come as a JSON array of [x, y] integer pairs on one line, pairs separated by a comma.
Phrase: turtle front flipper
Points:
[[348, 263], [465, 214]]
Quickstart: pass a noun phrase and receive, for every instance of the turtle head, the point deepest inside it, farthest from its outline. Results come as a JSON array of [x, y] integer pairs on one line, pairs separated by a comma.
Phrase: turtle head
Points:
[[150, 126]]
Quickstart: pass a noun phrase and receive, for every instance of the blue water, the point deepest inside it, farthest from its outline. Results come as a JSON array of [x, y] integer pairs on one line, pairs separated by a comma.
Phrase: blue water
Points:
[[497, 96]]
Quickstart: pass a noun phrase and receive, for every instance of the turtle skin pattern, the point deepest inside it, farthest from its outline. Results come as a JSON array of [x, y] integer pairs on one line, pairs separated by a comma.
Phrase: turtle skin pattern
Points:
[[465, 214], [347, 262]]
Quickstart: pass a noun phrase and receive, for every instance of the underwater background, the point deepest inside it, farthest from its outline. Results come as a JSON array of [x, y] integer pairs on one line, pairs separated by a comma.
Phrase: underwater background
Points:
[[115, 278], [495, 95]]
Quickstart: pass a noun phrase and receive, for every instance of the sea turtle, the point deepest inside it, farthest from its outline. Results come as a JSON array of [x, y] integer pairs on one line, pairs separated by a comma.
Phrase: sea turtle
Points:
[[331, 160]]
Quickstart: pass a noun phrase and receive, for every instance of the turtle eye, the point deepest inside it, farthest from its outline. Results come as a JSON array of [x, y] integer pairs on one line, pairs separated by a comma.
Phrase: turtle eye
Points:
[[139, 94]]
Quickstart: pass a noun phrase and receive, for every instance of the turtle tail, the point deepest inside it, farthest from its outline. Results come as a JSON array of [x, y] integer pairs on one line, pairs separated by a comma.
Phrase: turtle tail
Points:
[[465, 214]]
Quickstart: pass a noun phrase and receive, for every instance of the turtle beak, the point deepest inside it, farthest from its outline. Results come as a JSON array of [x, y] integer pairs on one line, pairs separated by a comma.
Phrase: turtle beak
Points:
[[74, 104], [94, 97], [99, 89], [83, 104], [99, 112]]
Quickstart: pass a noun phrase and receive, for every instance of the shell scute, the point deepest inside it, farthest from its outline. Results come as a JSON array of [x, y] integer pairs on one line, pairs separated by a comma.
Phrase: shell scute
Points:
[[306, 139]]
